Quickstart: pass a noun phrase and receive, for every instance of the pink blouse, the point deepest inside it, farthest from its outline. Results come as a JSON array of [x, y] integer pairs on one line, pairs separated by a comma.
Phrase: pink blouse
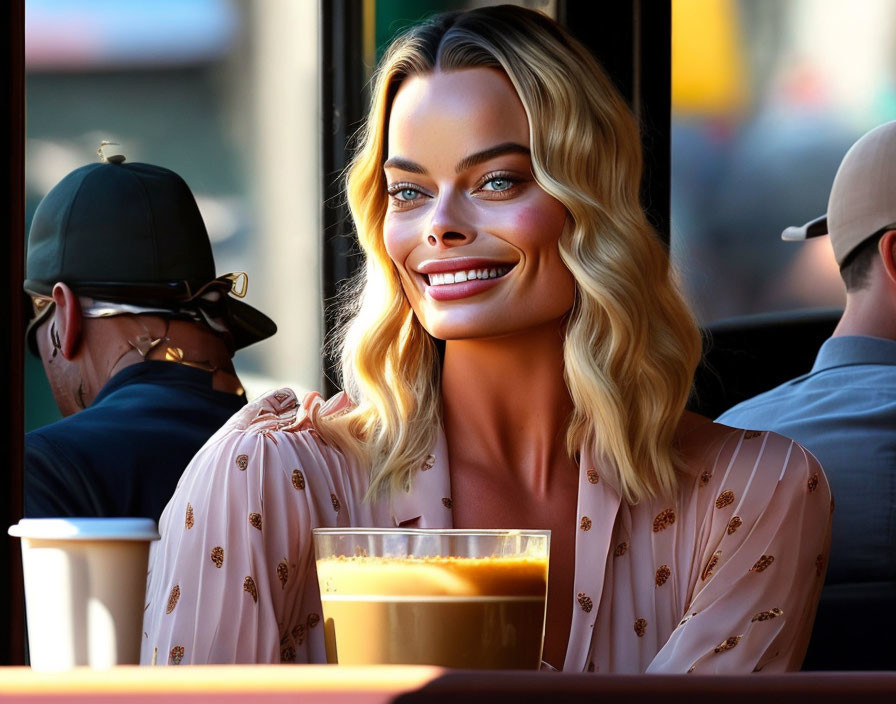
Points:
[[725, 578]]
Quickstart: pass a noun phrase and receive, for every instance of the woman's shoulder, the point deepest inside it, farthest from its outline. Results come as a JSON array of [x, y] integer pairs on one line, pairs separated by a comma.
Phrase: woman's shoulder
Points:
[[284, 410], [275, 430], [713, 453]]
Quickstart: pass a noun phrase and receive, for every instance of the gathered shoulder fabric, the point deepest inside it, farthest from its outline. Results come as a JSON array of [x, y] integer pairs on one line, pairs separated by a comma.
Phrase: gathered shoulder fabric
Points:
[[722, 577], [232, 579]]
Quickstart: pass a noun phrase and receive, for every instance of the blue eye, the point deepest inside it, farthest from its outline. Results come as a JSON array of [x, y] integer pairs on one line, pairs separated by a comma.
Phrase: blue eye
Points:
[[497, 184], [403, 194]]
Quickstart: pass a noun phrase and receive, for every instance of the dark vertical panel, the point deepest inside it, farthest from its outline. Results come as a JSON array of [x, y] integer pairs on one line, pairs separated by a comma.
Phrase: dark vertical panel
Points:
[[632, 39], [343, 101], [654, 59], [11, 600]]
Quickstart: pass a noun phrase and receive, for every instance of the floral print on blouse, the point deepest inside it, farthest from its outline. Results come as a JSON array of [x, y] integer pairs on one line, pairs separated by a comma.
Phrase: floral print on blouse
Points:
[[724, 578]]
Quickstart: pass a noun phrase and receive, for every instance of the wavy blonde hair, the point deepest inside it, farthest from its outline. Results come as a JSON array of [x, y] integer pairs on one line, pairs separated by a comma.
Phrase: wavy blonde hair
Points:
[[631, 343]]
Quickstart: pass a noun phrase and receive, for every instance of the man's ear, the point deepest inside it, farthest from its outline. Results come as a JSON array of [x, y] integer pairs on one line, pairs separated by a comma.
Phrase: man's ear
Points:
[[886, 247], [67, 319]]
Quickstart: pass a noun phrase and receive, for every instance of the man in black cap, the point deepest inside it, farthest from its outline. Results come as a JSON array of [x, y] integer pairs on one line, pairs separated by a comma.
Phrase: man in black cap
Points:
[[136, 334]]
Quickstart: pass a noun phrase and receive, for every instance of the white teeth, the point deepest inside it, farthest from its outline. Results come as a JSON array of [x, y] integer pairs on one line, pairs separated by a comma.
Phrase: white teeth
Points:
[[469, 275]]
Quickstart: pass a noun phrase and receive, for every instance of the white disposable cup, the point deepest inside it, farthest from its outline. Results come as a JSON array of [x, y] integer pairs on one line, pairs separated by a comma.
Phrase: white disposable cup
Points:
[[85, 584]]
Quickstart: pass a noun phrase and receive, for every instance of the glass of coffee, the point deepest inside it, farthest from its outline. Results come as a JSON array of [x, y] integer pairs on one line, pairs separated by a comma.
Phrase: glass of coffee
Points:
[[471, 599]]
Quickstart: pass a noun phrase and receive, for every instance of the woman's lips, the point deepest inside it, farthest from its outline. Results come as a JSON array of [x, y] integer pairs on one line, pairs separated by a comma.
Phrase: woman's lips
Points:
[[444, 283]]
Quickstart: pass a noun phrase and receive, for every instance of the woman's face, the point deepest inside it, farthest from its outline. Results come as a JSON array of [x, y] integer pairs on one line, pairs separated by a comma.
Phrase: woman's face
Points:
[[472, 235]]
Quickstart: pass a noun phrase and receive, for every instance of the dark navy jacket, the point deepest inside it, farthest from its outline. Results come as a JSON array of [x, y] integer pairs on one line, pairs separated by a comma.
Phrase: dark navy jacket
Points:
[[123, 455]]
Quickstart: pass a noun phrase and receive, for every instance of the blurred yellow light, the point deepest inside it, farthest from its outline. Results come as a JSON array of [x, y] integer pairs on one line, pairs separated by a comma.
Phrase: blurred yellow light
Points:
[[708, 74]]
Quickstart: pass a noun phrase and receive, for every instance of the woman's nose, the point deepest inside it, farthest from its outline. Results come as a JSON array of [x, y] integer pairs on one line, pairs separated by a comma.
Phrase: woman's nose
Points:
[[449, 226], [446, 238]]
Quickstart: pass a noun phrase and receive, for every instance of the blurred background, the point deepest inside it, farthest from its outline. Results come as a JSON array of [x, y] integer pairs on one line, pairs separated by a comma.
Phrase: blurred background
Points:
[[767, 95], [224, 92]]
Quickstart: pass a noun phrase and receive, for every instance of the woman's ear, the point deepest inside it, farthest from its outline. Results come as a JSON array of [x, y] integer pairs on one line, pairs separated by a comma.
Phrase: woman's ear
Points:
[[67, 319]]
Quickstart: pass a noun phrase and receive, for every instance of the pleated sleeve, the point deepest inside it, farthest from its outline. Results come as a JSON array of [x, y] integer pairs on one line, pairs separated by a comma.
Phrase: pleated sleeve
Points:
[[759, 560], [232, 579]]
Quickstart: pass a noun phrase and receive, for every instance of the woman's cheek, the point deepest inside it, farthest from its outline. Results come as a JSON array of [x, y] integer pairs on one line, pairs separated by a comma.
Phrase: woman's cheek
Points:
[[393, 242], [538, 225]]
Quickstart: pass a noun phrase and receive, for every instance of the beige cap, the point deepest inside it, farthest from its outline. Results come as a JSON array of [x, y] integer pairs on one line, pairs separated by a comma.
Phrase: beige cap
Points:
[[863, 197]]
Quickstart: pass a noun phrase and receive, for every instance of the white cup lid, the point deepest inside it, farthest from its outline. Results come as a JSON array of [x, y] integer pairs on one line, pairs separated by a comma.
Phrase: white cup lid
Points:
[[86, 529]]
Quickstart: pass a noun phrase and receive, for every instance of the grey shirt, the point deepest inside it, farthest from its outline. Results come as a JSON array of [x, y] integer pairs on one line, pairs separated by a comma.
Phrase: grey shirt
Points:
[[844, 412]]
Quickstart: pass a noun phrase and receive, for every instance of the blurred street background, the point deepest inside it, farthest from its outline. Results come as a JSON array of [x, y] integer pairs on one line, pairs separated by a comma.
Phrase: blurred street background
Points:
[[767, 95]]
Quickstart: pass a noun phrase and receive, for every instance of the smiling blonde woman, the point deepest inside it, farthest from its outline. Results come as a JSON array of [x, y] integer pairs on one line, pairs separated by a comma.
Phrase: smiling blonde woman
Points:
[[516, 356]]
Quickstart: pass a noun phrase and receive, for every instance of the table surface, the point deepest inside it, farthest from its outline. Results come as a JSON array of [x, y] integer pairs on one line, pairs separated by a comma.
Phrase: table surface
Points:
[[276, 684]]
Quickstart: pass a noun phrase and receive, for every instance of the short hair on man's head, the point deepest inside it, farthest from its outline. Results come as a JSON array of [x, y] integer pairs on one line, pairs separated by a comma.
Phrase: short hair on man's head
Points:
[[857, 265]]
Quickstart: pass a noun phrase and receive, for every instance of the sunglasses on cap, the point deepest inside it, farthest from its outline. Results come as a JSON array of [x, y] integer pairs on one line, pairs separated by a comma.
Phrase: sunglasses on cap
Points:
[[236, 284]]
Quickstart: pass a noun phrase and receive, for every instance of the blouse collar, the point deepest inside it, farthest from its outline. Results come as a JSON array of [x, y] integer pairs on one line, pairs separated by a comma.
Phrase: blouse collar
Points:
[[428, 501], [429, 496]]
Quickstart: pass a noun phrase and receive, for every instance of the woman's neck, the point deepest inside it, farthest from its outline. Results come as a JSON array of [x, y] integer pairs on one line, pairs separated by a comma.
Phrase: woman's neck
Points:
[[506, 405]]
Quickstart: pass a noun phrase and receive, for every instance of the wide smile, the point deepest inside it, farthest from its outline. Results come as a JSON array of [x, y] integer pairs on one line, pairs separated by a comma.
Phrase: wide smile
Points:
[[458, 277], [447, 280]]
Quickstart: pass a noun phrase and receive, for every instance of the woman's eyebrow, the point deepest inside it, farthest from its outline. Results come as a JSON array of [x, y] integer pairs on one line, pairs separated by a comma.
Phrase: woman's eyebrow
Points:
[[397, 162], [491, 153]]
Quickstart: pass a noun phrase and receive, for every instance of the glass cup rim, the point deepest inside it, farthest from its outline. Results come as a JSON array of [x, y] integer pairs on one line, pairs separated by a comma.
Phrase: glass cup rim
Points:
[[508, 532]]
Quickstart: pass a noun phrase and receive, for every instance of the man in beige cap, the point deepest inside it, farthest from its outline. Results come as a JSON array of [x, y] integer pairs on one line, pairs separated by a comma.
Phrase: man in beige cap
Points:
[[844, 411]]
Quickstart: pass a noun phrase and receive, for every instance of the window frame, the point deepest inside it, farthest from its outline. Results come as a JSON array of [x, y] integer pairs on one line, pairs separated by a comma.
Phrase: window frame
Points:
[[631, 38], [12, 617]]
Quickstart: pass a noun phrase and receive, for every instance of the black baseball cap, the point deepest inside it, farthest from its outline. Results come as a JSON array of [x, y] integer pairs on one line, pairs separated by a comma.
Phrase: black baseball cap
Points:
[[133, 234]]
